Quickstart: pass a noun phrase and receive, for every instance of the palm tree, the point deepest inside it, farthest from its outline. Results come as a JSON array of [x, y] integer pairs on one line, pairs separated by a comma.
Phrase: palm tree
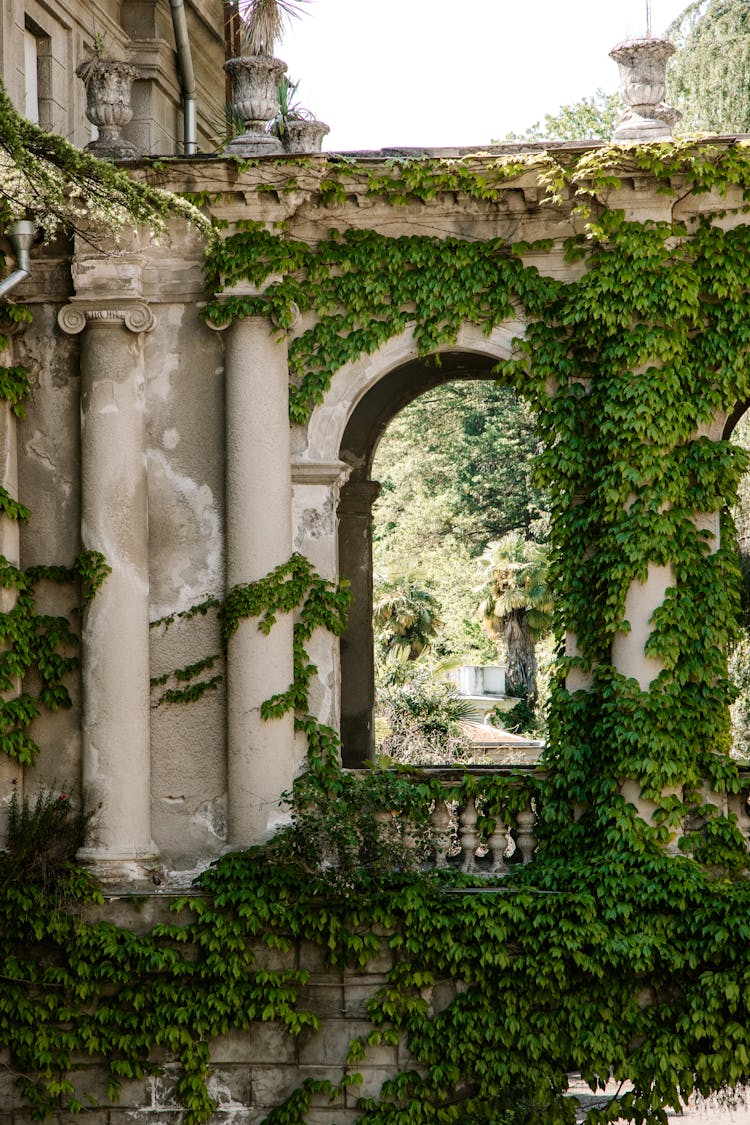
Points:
[[263, 24], [516, 606], [406, 615]]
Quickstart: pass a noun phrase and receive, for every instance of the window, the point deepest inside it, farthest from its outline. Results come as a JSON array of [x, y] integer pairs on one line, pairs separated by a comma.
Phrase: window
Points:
[[37, 51]]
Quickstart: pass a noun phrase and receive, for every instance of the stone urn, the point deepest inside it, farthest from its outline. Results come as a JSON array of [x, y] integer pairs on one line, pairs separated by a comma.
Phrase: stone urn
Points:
[[255, 99], [301, 135], [643, 87], [109, 85]]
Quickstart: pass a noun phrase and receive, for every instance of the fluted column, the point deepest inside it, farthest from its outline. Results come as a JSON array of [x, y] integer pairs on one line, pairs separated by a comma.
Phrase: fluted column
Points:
[[114, 520], [260, 752], [357, 655]]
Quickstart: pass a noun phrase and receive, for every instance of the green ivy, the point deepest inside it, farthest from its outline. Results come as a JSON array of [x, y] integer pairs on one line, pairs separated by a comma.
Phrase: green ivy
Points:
[[39, 650], [609, 955]]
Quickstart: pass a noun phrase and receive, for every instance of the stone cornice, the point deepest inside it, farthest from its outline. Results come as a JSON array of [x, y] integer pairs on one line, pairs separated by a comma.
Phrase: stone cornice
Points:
[[320, 472]]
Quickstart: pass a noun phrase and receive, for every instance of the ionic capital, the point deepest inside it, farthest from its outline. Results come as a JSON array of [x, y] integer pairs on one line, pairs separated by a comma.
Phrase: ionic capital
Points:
[[135, 317], [247, 289]]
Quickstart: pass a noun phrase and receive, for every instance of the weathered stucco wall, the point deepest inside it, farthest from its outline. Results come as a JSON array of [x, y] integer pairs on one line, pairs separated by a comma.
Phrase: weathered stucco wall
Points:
[[151, 296]]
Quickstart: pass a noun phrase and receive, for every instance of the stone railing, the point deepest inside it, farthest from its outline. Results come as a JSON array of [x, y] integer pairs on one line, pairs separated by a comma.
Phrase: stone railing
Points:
[[455, 837]]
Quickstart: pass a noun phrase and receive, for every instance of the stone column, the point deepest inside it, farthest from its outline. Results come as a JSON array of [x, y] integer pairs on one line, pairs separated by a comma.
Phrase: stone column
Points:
[[260, 753], [357, 656], [114, 520], [11, 773], [628, 649]]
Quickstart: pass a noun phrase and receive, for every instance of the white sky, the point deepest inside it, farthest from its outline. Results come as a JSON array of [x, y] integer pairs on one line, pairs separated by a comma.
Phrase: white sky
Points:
[[393, 73]]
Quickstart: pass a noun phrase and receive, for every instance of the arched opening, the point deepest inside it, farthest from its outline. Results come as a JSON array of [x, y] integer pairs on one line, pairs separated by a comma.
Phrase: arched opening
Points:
[[366, 426]]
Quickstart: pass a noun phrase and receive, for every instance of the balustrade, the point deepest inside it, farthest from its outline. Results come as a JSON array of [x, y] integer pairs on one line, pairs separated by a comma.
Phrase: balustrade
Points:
[[476, 835], [486, 836]]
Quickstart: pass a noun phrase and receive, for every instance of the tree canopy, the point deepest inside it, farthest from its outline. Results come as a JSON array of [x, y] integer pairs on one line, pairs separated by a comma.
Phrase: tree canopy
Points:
[[45, 178], [456, 473], [709, 77], [590, 117]]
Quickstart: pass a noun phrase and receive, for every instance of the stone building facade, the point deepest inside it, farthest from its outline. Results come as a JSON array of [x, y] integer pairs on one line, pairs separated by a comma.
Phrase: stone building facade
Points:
[[41, 45], [167, 446]]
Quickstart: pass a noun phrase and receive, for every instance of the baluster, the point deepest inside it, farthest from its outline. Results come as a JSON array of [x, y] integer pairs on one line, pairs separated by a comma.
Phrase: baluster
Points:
[[440, 833], [498, 842], [411, 840], [469, 838], [525, 841]]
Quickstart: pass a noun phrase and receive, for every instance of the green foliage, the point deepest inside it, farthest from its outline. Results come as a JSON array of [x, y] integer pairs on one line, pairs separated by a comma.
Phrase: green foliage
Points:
[[406, 615], [367, 288], [42, 841], [455, 468], [44, 177], [423, 717], [608, 956], [516, 605], [39, 650], [709, 77], [590, 117]]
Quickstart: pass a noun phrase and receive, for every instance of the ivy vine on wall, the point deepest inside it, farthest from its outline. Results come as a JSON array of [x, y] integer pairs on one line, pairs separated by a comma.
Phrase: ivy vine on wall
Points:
[[609, 956]]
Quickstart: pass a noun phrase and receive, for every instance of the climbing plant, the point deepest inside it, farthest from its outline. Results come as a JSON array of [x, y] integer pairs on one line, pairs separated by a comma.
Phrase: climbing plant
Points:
[[611, 955]]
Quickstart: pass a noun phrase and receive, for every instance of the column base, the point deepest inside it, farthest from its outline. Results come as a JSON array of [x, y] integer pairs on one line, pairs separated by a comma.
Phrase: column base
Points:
[[130, 870]]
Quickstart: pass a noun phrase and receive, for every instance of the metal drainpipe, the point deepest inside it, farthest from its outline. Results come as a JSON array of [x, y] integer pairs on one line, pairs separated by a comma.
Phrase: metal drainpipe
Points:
[[21, 234], [187, 78]]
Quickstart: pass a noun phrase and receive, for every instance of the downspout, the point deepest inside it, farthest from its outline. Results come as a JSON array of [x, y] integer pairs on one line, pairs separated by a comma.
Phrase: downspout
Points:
[[21, 234], [187, 78]]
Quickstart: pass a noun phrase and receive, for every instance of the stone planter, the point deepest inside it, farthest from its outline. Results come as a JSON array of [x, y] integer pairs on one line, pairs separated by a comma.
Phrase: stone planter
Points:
[[643, 86], [304, 136], [108, 85], [255, 98]]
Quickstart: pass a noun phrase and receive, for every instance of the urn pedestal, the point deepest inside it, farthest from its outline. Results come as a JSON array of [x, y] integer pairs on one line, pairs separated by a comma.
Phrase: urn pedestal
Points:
[[643, 87], [109, 85], [255, 98]]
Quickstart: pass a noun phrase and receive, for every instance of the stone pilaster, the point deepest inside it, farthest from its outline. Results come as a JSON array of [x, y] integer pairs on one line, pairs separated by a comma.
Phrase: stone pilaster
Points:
[[114, 520], [357, 655], [260, 753], [316, 487]]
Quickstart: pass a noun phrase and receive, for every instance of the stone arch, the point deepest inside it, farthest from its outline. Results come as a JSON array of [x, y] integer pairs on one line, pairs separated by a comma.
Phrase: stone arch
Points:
[[328, 421], [345, 430]]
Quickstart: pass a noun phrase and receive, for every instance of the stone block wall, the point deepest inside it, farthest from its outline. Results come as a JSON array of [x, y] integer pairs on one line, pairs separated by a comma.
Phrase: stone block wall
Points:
[[251, 1072]]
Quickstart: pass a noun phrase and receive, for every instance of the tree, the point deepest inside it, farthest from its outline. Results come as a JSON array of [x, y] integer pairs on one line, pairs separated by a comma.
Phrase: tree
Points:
[[45, 178], [709, 77], [406, 615], [516, 605], [590, 117], [424, 718], [456, 472]]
